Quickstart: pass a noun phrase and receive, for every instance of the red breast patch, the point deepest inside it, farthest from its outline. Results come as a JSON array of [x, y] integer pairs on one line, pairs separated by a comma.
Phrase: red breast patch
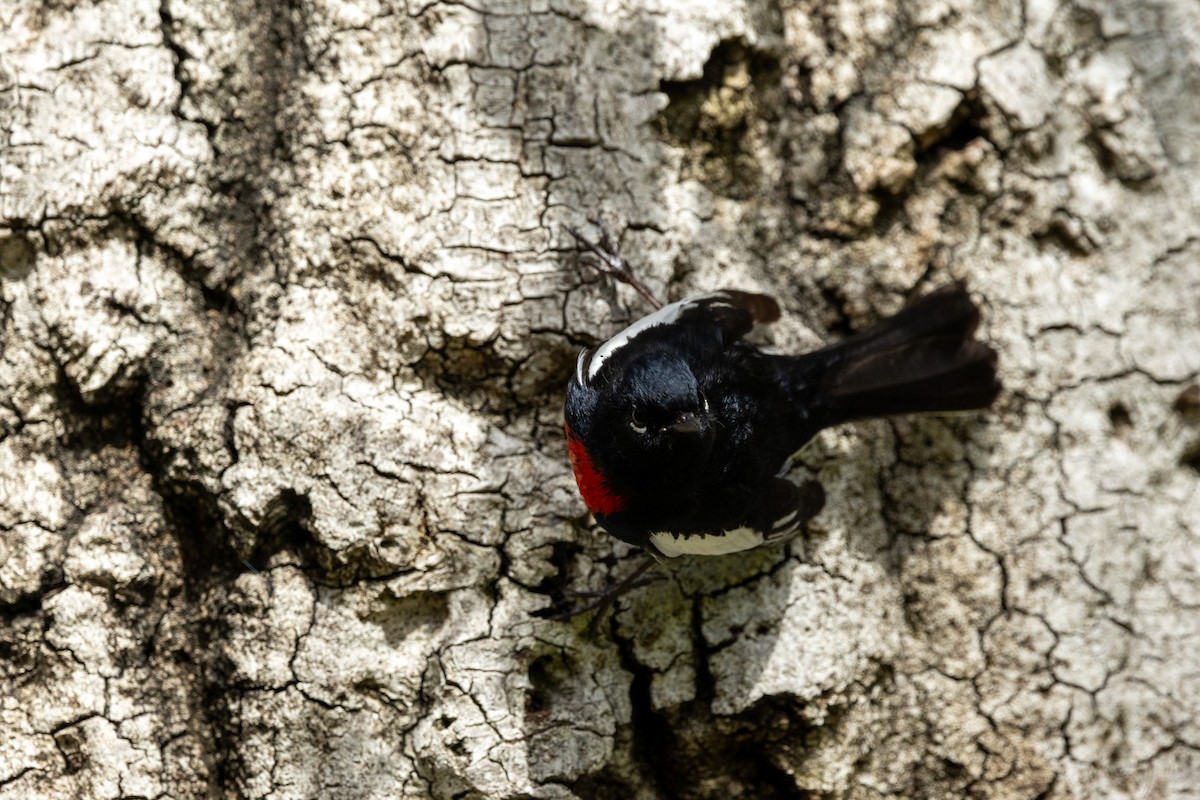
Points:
[[596, 493]]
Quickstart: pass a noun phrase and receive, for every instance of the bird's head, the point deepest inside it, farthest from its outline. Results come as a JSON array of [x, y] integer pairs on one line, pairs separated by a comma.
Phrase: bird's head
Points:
[[646, 430], [661, 406]]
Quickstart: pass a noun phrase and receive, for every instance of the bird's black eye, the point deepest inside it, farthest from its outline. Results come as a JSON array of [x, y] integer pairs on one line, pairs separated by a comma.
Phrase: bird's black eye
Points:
[[636, 421]]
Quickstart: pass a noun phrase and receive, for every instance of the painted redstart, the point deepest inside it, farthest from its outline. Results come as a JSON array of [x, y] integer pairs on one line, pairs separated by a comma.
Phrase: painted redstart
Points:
[[678, 430]]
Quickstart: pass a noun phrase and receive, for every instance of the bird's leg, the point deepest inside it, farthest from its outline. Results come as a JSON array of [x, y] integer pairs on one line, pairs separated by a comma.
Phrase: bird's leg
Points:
[[605, 257], [609, 595]]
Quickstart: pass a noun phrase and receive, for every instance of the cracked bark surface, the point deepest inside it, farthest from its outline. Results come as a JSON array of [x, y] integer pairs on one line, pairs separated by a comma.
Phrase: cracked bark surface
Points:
[[287, 310]]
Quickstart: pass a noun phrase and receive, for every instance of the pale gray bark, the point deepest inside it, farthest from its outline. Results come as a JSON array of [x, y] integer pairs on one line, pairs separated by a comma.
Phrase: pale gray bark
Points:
[[287, 312]]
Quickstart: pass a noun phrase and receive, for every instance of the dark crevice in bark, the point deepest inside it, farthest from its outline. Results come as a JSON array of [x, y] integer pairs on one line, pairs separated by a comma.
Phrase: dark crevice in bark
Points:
[[967, 124], [214, 708], [1187, 404], [835, 317], [484, 378], [717, 757], [1191, 457], [167, 21], [559, 585], [1120, 418], [652, 739], [713, 117], [285, 530], [28, 605], [690, 753], [191, 518], [205, 544], [18, 255]]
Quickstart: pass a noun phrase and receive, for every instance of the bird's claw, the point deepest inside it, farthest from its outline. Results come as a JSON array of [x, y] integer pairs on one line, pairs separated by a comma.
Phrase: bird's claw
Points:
[[608, 242], [605, 257], [606, 597]]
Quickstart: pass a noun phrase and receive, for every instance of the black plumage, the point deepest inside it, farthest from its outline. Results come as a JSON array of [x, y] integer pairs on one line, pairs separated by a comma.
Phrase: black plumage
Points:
[[678, 428]]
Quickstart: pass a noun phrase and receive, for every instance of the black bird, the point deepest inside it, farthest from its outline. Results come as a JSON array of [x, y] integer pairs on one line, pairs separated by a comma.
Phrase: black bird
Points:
[[678, 430]]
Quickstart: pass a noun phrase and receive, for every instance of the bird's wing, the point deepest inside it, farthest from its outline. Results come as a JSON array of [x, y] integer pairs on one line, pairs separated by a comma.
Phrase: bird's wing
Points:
[[733, 311], [730, 313], [787, 506]]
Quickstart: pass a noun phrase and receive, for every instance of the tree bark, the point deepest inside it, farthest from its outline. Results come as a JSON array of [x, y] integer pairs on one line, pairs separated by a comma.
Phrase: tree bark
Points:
[[288, 307]]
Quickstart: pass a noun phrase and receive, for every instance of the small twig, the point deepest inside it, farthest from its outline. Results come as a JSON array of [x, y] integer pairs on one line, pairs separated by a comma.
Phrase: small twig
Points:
[[607, 260]]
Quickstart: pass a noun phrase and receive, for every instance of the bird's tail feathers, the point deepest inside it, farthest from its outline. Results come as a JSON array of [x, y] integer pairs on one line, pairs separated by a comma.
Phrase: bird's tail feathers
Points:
[[923, 359]]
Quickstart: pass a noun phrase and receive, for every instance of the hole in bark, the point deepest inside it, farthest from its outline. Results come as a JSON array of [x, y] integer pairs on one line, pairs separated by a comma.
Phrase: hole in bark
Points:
[[561, 556], [1191, 457], [17, 257], [966, 124], [21, 641], [834, 316], [1120, 419], [605, 787], [189, 509], [460, 364], [713, 117], [205, 547], [284, 528], [70, 744], [963, 127], [1188, 402], [546, 674]]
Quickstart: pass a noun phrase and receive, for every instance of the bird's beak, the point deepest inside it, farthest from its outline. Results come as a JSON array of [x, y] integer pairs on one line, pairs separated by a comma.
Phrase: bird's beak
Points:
[[687, 422]]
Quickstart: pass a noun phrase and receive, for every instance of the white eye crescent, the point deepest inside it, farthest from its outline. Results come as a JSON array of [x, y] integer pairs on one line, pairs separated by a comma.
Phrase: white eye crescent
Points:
[[636, 422]]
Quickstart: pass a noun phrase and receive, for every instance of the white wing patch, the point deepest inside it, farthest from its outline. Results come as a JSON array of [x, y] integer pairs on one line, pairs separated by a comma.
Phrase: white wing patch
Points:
[[785, 524], [579, 364], [664, 316], [715, 544]]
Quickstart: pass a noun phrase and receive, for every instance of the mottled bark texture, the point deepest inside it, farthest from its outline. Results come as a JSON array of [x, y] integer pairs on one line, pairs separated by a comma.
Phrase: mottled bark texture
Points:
[[287, 311]]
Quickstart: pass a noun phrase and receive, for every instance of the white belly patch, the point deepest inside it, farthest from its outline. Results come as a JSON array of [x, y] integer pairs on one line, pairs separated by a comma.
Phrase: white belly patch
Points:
[[672, 545]]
